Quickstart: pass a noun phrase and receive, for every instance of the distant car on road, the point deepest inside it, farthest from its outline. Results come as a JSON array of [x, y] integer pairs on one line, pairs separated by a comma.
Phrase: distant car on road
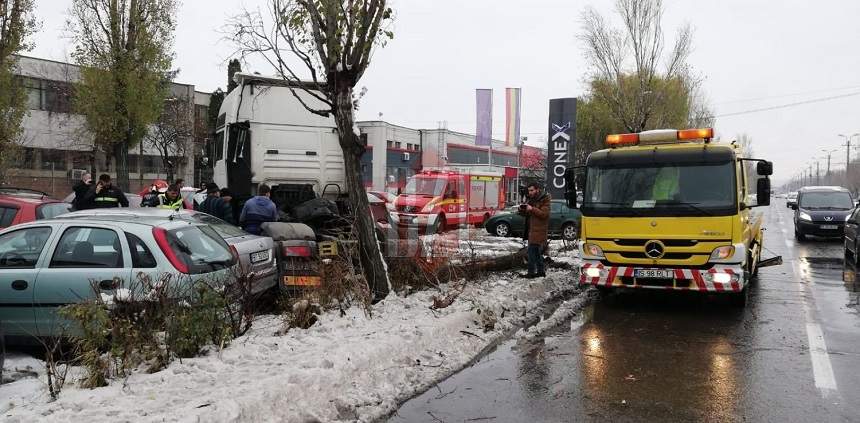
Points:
[[791, 199], [563, 222], [256, 253], [51, 263], [20, 205], [821, 211]]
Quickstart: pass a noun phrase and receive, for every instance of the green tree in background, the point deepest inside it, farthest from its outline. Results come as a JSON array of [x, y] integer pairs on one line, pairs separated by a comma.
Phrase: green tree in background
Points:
[[17, 23], [232, 67], [124, 48]]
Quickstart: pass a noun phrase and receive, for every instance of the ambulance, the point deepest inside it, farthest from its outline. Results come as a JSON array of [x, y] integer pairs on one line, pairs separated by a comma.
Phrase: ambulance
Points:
[[437, 200], [671, 210]]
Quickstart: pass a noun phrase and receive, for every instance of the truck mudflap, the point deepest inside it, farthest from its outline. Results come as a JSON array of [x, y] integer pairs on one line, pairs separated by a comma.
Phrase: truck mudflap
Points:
[[719, 278]]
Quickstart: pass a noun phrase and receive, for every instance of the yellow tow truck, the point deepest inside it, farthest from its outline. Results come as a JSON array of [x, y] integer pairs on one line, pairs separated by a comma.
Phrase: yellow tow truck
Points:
[[670, 209]]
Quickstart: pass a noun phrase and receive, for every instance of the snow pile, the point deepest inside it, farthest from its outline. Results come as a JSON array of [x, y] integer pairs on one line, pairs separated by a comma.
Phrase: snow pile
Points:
[[342, 369]]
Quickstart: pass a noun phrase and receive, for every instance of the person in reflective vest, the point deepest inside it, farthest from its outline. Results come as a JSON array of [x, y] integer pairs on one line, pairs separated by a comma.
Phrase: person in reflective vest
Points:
[[104, 195], [171, 199]]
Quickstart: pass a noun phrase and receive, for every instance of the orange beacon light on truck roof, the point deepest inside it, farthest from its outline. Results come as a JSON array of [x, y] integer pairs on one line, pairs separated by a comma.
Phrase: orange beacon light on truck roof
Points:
[[659, 136]]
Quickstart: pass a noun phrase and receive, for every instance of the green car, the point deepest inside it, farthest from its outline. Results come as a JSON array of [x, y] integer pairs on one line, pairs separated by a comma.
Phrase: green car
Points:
[[563, 222], [51, 263]]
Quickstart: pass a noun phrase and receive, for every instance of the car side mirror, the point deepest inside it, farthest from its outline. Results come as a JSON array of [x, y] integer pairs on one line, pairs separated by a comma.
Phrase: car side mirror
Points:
[[763, 191], [794, 206], [570, 188], [764, 168]]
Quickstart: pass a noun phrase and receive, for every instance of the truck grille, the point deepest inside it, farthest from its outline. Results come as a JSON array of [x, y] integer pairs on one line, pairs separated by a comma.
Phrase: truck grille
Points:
[[666, 242], [667, 256], [408, 209]]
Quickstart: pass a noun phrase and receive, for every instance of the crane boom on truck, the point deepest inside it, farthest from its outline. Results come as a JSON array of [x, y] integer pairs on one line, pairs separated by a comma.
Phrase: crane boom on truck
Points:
[[669, 209]]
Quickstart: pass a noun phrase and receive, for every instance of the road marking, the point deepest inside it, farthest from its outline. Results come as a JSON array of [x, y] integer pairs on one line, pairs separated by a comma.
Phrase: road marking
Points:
[[822, 370]]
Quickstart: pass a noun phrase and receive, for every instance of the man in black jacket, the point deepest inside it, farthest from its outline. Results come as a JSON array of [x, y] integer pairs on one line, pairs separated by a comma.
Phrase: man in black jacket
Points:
[[81, 188], [213, 204], [104, 195]]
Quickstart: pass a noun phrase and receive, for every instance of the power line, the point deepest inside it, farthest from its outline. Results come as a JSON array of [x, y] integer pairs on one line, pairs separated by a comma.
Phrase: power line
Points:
[[785, 106], [743, 100]]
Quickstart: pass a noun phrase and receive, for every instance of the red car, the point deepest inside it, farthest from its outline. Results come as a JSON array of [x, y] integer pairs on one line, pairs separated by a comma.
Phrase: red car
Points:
[[20, 205]]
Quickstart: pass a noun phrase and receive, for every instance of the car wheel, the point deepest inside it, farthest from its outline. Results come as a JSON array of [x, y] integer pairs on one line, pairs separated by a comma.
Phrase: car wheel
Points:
[[502, 229], [799, 236], [569, 232]]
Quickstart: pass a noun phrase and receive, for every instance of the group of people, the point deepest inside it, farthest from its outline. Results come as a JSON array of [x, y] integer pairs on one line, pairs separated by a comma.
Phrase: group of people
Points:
[[219, 201], [101, 195]]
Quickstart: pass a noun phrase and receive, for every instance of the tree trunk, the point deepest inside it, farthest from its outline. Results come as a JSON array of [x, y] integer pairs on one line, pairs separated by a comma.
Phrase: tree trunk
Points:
[[370, 255], [120, 154]]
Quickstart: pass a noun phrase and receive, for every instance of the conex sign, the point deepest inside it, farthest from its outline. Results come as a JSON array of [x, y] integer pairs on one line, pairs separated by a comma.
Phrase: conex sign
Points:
[[562, 140]]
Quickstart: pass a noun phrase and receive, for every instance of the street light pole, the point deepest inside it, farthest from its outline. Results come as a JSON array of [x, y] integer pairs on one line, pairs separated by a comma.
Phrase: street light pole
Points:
[[848, 157]]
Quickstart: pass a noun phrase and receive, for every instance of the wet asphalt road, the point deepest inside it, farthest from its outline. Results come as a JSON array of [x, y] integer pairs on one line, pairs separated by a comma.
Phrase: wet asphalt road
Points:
[[793, 355]]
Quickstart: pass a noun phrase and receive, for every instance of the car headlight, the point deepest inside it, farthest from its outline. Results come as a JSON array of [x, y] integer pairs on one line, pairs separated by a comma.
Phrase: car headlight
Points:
[[804, 216], [722, 253], [592, 250]]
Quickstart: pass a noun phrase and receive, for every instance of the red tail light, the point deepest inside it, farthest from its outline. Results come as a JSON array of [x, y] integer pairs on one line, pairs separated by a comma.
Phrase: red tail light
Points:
[[297, 251], [160, 235]]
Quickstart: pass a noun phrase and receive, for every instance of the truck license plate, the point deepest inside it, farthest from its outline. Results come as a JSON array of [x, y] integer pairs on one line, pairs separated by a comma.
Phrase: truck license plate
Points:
[[259, 256], [831, 227], [654, 274]]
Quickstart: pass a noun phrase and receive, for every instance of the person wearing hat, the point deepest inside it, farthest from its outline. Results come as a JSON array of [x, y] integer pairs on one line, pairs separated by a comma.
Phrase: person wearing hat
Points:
[[150, 199], [215, 206]]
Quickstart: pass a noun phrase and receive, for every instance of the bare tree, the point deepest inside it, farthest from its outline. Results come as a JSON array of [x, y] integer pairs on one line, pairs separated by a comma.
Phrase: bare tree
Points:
[[171, 134], [17, 23], [634, 72], [321, 49]]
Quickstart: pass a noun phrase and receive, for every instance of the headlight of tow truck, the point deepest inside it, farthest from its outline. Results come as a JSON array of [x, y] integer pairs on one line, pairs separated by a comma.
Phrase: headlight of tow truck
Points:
[[722, 253], [592, 250], [804, 216]]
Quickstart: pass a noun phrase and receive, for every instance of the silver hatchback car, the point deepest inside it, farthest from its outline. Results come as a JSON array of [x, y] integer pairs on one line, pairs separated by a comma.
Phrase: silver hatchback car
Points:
[[50, 263], [256, 253]]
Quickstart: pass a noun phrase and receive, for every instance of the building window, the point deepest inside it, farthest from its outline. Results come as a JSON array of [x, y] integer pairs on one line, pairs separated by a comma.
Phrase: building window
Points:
[[34, 93], [390, 144], [151, 164], [58, 97], [397, 144], [53, 160]]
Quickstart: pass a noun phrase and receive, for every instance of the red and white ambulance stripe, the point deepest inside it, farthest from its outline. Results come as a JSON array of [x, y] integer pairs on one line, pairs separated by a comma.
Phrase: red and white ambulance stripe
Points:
[[609, 274]]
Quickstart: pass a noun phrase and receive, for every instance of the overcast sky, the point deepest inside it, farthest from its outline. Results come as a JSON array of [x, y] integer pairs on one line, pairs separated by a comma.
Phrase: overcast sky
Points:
[[752, 54]]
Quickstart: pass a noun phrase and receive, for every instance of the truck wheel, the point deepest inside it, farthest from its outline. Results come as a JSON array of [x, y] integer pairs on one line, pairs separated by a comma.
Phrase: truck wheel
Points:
[[439, 226], [568, 232], [502, 229], [740, 299]]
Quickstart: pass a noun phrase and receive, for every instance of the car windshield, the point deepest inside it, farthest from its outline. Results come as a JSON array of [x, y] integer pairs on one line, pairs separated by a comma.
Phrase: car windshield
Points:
[[52, 210], [666, 190], [837, 200], [201, 249], [224, 229], [424, 186]]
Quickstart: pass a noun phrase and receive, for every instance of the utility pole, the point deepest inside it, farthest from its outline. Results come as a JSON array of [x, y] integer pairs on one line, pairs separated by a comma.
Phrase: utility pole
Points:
[[847, 146], [817, 172]]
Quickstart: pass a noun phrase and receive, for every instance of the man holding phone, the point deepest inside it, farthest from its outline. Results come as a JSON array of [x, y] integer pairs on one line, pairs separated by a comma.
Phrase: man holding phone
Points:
[[536, 210], [81, 188], [104, 195]]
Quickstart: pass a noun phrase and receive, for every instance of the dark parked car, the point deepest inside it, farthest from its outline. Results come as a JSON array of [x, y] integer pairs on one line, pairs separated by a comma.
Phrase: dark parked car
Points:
[[563, 222], [821, 211]]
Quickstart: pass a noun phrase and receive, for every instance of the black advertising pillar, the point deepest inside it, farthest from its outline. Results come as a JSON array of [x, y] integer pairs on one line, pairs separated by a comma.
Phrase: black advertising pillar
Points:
[[561, 144]]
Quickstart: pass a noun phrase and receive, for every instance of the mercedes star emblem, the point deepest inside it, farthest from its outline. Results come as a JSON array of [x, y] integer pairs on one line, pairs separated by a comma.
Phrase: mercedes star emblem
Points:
[[654, 249]]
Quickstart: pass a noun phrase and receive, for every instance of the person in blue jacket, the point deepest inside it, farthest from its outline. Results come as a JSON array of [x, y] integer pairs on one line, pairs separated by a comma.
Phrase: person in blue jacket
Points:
[[258, 210]]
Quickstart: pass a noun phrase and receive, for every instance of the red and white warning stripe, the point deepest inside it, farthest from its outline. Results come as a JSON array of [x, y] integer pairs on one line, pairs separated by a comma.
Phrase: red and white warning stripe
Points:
[[611, 276]]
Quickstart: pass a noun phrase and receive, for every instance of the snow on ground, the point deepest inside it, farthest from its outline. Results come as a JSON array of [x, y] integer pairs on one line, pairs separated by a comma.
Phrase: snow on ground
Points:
[[342, 369]]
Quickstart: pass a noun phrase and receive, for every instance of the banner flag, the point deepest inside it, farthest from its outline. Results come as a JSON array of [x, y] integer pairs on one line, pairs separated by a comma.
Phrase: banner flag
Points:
[[513, 101], [484, 131]]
